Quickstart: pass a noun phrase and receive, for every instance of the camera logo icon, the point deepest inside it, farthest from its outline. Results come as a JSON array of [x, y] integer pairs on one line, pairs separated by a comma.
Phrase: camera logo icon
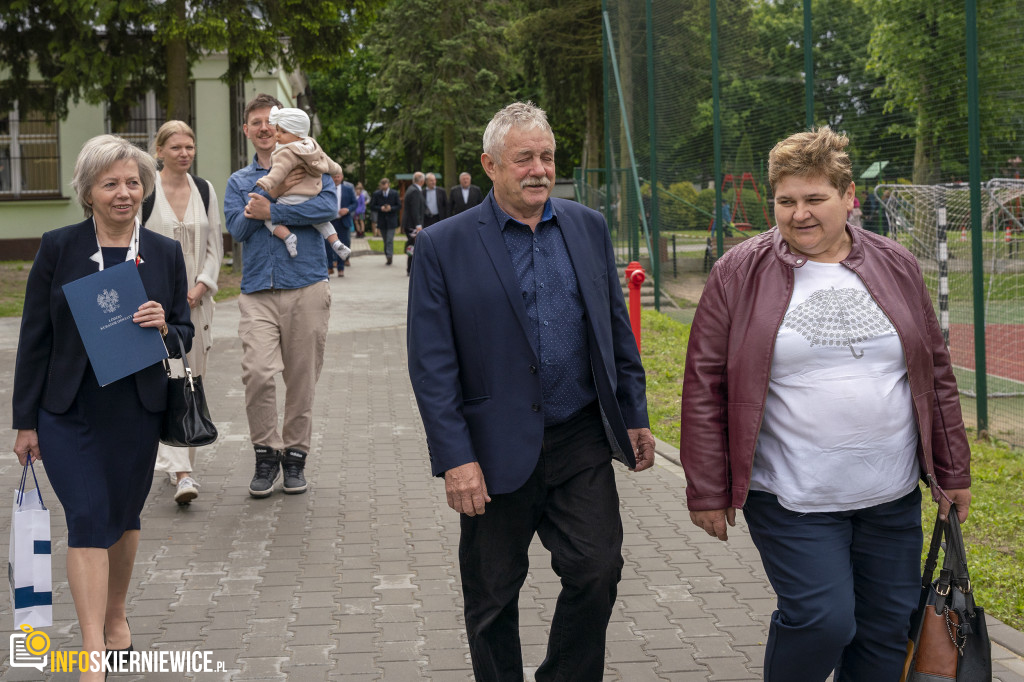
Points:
[[30, 648]]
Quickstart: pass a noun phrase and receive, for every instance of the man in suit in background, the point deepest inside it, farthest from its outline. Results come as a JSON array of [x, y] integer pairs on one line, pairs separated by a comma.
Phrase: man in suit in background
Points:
[[464, 196], [529, 383], [385, 203], [343, 223], [412, 216], [435, 201]]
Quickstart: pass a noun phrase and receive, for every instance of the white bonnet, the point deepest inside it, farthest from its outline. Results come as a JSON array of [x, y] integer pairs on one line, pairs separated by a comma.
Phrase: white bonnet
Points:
[[295, 121]]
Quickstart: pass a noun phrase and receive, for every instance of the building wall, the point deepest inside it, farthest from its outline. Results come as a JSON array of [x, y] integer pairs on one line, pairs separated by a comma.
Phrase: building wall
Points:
[[22, 222]]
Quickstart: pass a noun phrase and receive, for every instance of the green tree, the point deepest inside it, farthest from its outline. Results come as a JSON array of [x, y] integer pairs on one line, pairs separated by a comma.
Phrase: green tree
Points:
[[349, 114], [563, 74], [100, 52], [442, 76], [918, 47], [113, 51]]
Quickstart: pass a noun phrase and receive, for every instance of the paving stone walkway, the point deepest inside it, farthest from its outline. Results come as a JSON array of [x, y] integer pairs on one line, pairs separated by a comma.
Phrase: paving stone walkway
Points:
[[358, 578]]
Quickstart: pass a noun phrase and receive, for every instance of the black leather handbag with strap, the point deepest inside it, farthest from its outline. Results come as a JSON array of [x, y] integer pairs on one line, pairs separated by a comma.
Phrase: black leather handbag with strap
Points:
[[187, 420], [948, 635]]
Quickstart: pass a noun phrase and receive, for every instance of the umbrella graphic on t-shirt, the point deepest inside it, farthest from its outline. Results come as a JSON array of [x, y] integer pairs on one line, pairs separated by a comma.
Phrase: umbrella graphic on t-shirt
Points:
[[838, 317]]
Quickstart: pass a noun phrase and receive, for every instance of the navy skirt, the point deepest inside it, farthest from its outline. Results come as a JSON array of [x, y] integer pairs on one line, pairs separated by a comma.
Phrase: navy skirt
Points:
[[99, 457]]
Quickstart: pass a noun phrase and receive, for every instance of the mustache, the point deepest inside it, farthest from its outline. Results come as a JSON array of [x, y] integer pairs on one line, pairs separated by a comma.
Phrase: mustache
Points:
[[535, 182]]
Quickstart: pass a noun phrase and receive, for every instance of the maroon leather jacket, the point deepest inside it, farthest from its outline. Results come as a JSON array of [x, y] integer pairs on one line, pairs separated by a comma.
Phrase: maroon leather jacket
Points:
[[729, 357]]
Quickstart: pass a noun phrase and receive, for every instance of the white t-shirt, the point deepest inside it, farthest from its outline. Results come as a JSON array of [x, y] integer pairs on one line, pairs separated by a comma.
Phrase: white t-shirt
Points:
[[839, 431]]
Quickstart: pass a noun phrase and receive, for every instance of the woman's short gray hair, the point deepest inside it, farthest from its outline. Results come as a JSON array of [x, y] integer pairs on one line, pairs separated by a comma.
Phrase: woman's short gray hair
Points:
[[98, 155], [521, 115]]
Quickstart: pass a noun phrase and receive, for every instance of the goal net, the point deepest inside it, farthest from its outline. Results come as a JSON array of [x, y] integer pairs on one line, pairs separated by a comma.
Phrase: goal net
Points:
[[934, 222]]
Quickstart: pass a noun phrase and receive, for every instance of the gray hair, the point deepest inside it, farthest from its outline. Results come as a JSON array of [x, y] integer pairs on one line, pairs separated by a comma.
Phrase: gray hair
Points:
[[418, 177], [521, 115], [98, 155]]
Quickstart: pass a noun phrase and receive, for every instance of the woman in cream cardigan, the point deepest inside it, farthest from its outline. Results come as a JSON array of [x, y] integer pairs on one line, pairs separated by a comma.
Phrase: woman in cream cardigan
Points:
[[178, 211]]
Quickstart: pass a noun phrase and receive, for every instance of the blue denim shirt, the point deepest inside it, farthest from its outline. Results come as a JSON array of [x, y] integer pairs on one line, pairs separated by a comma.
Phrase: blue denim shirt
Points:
[[265, 260], [555, 309]]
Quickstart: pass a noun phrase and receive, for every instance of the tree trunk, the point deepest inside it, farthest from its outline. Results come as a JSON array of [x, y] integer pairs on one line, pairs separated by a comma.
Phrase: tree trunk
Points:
[[927, 162], [450, 178], [362, 164], [179, 100]]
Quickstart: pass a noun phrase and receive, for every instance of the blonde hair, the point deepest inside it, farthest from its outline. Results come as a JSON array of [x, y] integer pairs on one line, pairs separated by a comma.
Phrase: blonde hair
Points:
[[172, 127], [818, 152], [99, 154]]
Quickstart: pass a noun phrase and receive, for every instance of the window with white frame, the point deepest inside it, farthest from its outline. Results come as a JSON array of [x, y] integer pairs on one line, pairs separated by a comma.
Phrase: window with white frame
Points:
[[29, 154], [144, 118]]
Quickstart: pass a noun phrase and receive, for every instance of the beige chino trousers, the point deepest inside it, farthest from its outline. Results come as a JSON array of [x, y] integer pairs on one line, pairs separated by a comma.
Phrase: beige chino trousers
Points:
[[283, 331]]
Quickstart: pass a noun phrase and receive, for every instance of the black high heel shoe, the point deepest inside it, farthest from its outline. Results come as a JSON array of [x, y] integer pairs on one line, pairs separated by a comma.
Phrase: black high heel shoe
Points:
[[115, 654]]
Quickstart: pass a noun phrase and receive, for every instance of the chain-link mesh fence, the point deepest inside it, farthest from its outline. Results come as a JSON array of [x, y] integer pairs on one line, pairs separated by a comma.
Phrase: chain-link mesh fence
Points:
[[891, 75]]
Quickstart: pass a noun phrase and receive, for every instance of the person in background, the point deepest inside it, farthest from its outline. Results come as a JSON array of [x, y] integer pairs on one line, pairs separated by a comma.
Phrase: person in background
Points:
[[284, 308], [360, 216], [871, 207], [436, 201], [817, 393], [386, 205], [523, 417], [98, 444], [177, 210], [343, 223], [413, 212], [856, 215], [464, 196]]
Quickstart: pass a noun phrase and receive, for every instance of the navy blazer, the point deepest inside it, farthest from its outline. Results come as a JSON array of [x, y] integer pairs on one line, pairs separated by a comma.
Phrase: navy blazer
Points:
[[386, 220], [455, 203], [52, 362], [472, 360]]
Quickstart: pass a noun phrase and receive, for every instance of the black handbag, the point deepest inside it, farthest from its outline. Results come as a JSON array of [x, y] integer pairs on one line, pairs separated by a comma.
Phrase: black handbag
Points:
[[948, 635], [186, 422]]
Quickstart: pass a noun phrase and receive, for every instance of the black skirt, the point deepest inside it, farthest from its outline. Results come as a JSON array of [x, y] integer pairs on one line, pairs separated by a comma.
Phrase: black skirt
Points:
[[99, 458]]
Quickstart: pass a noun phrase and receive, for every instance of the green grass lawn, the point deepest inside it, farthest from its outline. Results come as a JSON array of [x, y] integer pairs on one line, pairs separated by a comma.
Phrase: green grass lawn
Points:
[[376, 244], [12, 287], [995, 543]]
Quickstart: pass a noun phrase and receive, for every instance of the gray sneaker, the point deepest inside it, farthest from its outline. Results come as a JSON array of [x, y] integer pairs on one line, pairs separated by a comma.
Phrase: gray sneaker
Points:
[[188, 490], [294, 462], [268, 470]]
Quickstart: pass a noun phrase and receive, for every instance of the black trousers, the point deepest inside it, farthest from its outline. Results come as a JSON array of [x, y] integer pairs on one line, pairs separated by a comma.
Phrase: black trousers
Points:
[[410, 248], [570, 500]]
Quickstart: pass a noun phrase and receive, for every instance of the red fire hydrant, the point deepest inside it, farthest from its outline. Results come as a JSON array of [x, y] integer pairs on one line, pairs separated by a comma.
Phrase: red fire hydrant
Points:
[[634, 278]]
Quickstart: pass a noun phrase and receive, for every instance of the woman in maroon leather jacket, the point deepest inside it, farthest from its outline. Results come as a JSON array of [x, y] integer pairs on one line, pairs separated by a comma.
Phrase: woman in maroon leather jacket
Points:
[[818, 391]]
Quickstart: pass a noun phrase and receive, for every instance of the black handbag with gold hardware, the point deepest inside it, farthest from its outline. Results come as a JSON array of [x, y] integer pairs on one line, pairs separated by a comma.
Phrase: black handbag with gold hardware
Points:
[[948, 635]]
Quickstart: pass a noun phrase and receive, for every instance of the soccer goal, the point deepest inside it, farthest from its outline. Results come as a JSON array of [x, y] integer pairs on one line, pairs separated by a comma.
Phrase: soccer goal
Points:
[[934, 222]]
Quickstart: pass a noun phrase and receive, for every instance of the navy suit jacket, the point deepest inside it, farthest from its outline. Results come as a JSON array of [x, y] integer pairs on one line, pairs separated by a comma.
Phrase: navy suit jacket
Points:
[[386, 220], [348, 200], [455, 203], [472, 361], [52, 362]]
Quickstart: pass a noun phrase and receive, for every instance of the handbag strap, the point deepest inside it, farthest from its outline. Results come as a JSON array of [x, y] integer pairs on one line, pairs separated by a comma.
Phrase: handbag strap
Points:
[[955, 560], [933, 553], [956, 574], [24, 480], [184, 361]]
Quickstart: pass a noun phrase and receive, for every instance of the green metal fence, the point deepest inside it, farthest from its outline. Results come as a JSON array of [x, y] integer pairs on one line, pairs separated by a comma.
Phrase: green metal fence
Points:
[[929, 93]]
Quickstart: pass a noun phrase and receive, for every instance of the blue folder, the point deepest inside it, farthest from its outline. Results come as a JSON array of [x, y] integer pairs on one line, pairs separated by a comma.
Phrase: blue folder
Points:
[[103, 304]]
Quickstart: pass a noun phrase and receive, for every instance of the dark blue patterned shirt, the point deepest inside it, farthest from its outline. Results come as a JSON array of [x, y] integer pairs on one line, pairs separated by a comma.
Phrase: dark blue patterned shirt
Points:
[[555, 309]]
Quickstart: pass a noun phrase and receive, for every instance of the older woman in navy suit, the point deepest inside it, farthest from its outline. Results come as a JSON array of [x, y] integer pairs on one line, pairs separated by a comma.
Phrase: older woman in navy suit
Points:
[[98, 444]]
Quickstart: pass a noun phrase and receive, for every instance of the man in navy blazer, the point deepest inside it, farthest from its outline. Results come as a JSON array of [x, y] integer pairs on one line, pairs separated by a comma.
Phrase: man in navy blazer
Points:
[[529, 383], [464, 196]]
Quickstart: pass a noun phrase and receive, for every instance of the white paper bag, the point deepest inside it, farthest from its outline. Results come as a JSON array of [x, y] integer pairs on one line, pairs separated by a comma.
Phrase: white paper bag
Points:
[[28, 567]]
